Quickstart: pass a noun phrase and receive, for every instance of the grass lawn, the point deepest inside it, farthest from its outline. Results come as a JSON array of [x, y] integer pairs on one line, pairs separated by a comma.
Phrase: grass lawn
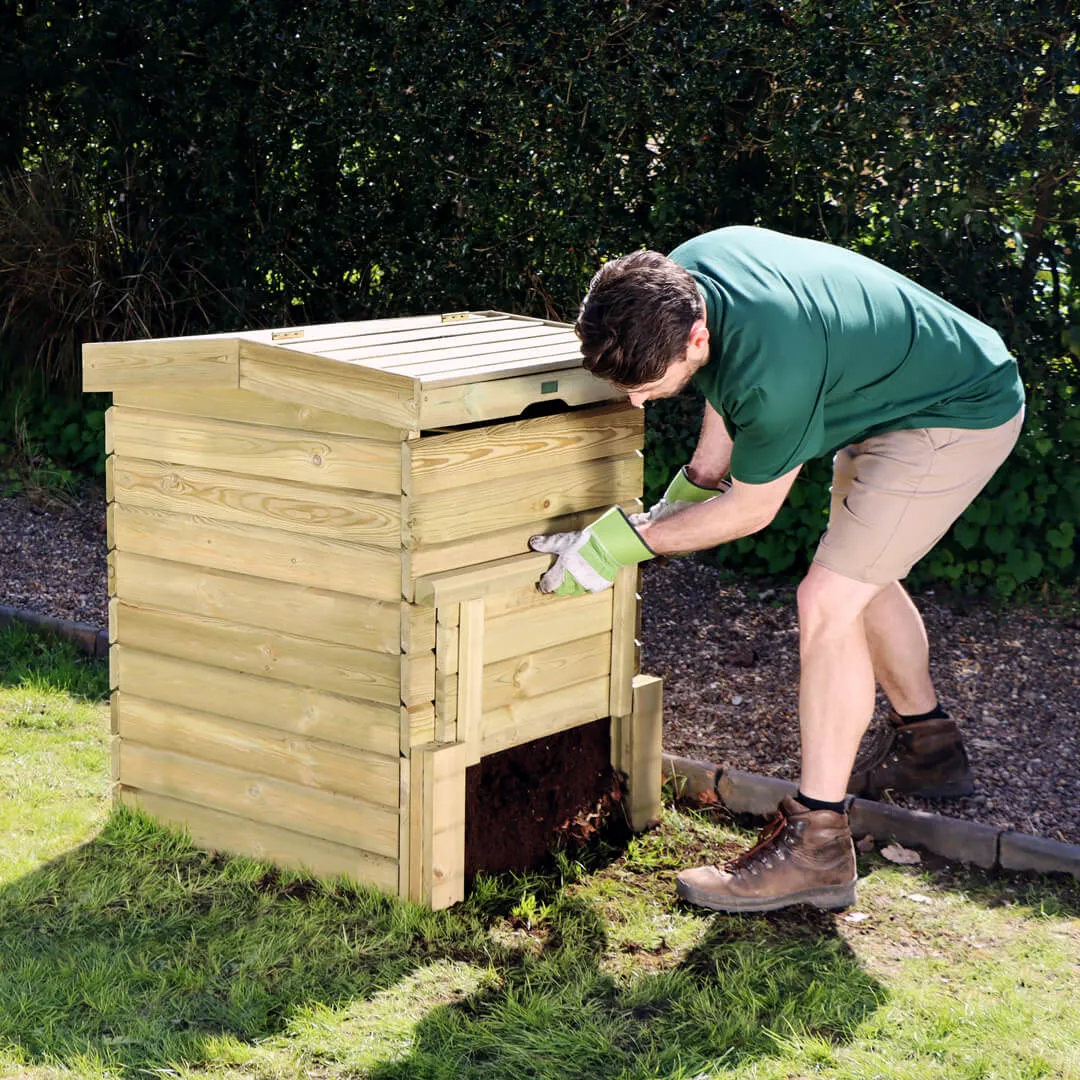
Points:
[[126, 952]]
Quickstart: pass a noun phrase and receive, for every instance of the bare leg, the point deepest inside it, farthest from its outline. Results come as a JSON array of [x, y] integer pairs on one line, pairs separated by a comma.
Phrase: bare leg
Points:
[[836, 688], [899, 651]]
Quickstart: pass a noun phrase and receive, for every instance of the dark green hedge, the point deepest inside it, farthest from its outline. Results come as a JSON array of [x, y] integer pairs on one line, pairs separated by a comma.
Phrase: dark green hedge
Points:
[[177, 167]]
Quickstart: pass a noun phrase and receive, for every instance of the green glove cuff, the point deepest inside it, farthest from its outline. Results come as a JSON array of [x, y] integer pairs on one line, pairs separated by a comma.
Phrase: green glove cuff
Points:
[[683, 489], [619, 540]]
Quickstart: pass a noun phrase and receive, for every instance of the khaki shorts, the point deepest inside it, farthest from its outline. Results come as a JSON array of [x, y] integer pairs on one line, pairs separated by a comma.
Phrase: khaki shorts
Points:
[[894, 496]]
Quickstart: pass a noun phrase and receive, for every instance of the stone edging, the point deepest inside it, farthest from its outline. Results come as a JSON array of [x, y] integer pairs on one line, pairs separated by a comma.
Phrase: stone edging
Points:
[[747, 793], [92, 641], [953, 838]]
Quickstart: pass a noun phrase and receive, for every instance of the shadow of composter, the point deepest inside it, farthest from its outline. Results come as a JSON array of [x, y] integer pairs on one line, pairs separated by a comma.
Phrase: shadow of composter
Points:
[[749, 984], [137, 949]]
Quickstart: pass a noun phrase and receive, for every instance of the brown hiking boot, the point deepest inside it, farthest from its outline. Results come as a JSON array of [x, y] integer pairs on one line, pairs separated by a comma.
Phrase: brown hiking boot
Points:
[[801, 857], [925, 758]]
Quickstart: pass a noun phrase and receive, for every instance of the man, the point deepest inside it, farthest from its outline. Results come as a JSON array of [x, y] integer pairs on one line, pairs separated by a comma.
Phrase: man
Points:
[[803, 349]]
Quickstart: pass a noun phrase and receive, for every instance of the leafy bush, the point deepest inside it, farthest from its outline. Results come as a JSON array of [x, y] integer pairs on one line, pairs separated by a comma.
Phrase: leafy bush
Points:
[[185, 167]]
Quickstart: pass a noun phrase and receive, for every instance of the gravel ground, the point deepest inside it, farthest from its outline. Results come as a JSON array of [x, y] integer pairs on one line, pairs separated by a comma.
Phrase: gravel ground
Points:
[[728, 653]]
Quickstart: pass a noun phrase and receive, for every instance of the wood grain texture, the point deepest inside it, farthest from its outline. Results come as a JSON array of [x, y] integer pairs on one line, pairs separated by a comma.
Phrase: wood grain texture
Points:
[[521, 677], [464, 402], [165, 362], [248, 500], [473, 646], [320, 614], [506, 450], [452, 345], [297, 710], [327, 384], [533, 718], [268, 654], [311, 763], [221, 831], [243, 406], [624, 643], [482, 509], [437, 834], [502, 543], [479, 582], [266, 553], [312, 459], [342, 819]]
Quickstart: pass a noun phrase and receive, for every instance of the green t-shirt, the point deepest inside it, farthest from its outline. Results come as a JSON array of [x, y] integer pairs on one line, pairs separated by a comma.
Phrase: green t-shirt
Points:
[[813, 347]]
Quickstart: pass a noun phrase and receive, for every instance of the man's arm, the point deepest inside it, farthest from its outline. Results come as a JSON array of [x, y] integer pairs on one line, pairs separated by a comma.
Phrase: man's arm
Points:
[[740, 511], [712, 458]]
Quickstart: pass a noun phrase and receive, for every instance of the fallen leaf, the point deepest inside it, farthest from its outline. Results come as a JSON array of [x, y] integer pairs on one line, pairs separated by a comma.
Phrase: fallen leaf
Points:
[[866, 844], [856, 916], [919, 898], [902, 855]]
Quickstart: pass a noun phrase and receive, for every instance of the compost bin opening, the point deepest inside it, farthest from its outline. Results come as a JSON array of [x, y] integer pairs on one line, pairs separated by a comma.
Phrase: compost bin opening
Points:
[[556, 792]]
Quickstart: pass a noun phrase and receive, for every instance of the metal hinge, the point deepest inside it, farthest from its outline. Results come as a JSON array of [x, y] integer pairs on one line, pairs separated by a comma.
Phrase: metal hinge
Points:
[[285, 335], [454, 316]]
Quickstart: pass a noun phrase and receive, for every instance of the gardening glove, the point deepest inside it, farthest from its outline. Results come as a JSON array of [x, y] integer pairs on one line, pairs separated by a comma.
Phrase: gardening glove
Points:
[[588, 561], [681, 493]]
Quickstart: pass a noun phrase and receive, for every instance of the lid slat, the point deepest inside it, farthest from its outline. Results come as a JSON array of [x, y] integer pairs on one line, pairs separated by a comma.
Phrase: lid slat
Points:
[[492, 363], [501, 338]]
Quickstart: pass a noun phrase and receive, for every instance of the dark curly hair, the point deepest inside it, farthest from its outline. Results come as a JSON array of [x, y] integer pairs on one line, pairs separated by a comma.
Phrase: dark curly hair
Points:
[[636, 318]]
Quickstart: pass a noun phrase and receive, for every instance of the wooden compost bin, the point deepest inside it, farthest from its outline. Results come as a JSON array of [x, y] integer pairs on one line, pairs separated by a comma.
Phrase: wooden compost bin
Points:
[[322, 602]]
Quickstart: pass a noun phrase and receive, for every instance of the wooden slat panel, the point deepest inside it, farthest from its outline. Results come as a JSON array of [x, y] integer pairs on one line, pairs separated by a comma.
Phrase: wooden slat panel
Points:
[[283, 847], [637, 750], [242, 406], [455, 343], [342, 819], [476, 582], [442, 516], [247, 549], [472, 650], [329, 384], [419, 329], [529, 630], [624, 647], [445, 402], [299, 710], [312, 613], [542, 443], [270, 654], [444, 824], [521, 677], [532, 718], [255, 748], [553, 364], [473, 550], [338, 461], [164, 362], [248, 500], [549, 354], [418, 678], [417, 725], [520, 632]]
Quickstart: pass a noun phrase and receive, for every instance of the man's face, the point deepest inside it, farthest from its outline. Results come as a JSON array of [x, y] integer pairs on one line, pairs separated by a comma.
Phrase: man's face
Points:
[[678, 374]]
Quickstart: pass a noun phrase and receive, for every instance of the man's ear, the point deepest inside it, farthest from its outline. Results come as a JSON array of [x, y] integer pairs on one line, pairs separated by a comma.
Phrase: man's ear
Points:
[[699, 335]]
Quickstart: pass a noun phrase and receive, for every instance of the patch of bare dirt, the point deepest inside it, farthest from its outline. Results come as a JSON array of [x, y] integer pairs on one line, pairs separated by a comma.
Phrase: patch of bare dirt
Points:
[[728, 652]]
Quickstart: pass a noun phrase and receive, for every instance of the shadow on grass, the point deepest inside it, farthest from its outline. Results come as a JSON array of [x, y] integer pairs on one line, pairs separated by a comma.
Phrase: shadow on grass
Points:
[[750, 984], [136, 951]]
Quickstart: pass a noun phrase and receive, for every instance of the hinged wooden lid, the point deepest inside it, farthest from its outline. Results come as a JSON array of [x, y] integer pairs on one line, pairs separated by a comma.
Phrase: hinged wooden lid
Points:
[[420, 373]]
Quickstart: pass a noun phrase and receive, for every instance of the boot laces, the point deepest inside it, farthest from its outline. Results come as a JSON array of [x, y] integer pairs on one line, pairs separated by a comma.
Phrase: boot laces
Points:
[[878, 747], [759, 852]]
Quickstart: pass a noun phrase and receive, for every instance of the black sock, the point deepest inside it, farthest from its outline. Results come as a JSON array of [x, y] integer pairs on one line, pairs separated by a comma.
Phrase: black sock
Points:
[[936, 713], [819, 804]]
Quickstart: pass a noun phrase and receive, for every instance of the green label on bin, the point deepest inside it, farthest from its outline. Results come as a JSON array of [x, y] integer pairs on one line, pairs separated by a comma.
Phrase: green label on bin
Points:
[[549, 387]]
